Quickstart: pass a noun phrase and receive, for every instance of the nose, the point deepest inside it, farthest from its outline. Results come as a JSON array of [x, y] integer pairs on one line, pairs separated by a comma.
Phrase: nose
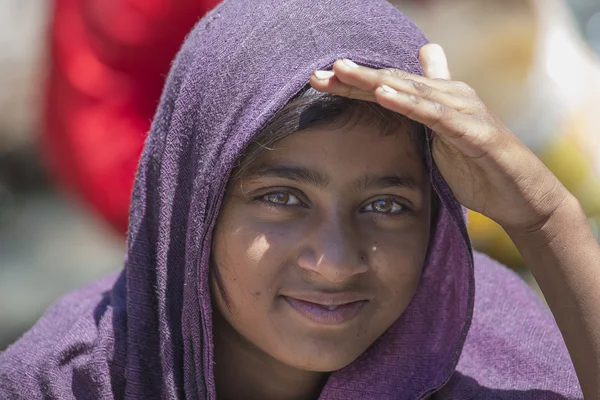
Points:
[[332, 250]]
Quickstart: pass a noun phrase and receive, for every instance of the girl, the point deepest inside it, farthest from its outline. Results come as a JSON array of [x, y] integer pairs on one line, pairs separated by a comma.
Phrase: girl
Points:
[[288, 243]]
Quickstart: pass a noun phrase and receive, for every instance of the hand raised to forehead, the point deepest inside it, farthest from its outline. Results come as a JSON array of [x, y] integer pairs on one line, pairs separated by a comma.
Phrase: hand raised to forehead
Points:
[[487, 167]]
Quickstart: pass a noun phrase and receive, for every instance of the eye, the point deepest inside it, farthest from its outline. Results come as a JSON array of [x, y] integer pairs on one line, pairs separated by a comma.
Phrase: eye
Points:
[[282, 199], [384, 206]]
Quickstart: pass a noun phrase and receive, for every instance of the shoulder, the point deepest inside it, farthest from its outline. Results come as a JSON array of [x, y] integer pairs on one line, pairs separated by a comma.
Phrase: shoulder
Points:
[[45, 360], [514, 348]]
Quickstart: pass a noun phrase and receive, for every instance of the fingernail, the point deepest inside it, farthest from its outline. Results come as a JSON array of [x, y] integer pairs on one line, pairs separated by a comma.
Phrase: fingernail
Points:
[[350, 63], [438, 51], [322, 75], [388, 89], [436, 63]]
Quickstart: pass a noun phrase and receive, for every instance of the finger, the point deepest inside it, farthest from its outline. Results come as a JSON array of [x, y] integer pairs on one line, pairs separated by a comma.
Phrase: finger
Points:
[[330, 84], [369, 79], [421, 110], [326, 81], [427, 92], [445, 122], [434, 62]]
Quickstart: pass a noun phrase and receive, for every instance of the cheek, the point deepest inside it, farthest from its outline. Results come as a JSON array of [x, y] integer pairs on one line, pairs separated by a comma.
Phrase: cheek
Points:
[[398, 261], [250, 260], [237, 257]]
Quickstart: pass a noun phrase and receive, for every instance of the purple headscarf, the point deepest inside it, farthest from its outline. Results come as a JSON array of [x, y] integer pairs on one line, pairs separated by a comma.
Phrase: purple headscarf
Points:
[[147, 333]]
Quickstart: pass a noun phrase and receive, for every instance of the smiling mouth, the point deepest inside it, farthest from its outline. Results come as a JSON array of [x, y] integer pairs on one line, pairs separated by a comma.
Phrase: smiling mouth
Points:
[[326, 314]]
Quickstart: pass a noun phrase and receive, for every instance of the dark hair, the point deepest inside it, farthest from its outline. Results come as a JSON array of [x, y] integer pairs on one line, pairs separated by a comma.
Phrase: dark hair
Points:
[[310, 109]]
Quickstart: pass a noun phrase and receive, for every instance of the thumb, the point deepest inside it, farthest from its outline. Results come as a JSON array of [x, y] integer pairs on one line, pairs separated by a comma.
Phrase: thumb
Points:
[[433, 62]]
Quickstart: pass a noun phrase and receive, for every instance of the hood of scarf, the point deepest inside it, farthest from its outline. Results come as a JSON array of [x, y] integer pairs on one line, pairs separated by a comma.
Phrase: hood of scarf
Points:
[[146, 332], [240, 65]]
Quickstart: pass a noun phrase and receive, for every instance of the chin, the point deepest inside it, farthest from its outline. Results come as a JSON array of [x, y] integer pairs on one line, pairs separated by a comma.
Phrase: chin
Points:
[[322, 358], [320, 364]]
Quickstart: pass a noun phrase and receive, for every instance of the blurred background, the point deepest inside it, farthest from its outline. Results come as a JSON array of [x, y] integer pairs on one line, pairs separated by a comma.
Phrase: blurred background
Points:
[[80, 80]]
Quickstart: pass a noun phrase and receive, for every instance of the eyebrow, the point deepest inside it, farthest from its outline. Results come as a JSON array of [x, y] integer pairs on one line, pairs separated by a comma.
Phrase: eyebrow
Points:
[[298, 174], [321, 180], [370, 182]]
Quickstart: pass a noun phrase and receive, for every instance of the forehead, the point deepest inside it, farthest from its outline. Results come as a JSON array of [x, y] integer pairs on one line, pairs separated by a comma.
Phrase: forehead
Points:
[[349, 151]]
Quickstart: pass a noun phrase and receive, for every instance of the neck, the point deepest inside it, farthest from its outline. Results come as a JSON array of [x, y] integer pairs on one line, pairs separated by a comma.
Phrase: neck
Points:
[[244, 371]]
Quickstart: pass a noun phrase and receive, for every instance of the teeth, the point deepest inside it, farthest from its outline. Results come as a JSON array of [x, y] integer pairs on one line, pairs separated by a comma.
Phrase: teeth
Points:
[[331, 308]]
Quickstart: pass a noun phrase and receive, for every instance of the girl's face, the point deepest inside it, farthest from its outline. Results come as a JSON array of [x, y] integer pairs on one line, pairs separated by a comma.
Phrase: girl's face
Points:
[[320, 245]]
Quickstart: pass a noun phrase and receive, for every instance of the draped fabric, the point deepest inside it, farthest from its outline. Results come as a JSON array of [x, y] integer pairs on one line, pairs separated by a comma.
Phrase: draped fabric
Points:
[[147, 333]]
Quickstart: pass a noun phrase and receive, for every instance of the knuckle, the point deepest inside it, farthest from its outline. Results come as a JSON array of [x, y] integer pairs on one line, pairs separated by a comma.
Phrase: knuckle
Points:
[[482, 133], [355, 93], [420, 87], [440, 109], [392, 72], [464, 88], [440, 114], [349, 91], [414, 99], [386, 71]]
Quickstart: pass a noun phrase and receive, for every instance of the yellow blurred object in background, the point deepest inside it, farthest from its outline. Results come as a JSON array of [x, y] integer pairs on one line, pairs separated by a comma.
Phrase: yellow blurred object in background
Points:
[[530, 64], [568, 159], [489, 237]]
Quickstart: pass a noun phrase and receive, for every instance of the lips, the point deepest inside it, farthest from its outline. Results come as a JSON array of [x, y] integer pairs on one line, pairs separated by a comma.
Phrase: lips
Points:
[[327, 308]]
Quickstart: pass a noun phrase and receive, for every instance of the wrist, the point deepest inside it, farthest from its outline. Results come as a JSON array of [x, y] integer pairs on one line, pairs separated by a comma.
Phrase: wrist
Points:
[[567, 220]]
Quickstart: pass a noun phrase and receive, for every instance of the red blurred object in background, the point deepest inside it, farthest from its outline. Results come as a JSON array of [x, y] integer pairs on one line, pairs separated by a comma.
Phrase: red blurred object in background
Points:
[[109, 60]]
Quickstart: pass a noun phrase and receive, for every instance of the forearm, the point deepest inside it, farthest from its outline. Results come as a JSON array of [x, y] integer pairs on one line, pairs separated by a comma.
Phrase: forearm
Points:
[[564, 257]]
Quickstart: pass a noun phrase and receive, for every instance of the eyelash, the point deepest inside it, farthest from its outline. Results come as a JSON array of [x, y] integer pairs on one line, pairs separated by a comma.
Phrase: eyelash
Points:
[[264, 199], [400, 208]]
